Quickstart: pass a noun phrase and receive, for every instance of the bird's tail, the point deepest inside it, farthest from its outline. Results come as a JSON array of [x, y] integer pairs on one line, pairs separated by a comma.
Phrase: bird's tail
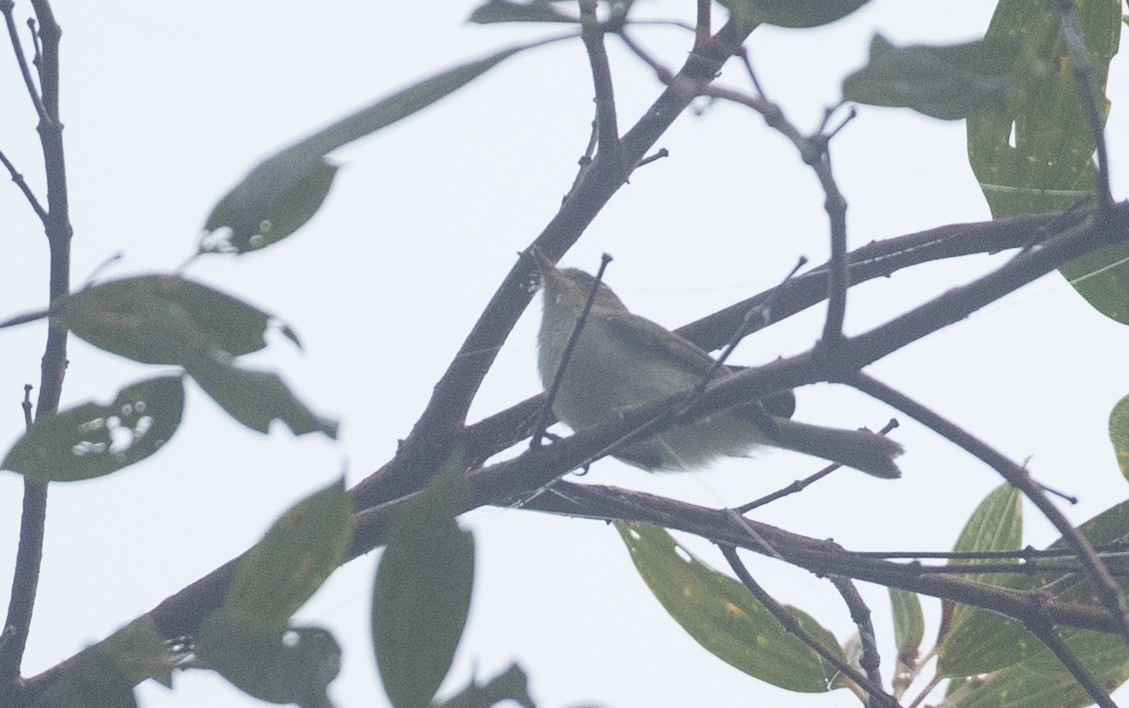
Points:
[[861, 449]]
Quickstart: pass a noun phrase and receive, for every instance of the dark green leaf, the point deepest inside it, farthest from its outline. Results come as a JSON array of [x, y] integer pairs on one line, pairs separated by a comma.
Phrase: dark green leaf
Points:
[[92, 439], [909, 624], [1119, 434], [282, 192], [94, 680], [1036, 153], [947, 82], [510, 685], [1029, 674], [791, 13], [292, 665], [1102, 277], [163, 319], [273, 201], [422, 593], [979, 641], [293, 559], [255, 398], [722, 616], [105, 674], [510, 11]]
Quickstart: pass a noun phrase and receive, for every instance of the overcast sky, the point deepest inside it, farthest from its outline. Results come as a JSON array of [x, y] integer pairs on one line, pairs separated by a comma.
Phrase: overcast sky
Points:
[[166, 105]]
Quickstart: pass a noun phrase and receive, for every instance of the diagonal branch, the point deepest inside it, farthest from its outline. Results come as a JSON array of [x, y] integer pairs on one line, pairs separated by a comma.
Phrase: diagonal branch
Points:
[[876, 696], [1050, 638], [440, 425], [1107, 586]]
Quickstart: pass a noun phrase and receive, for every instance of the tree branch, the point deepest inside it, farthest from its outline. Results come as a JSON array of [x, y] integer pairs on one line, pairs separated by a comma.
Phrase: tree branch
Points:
[[29, 553], [1106, 585], [440, 425], [792, 626]]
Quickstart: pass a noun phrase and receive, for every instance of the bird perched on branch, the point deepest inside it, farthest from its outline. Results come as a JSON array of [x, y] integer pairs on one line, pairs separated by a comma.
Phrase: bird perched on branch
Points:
[[622, 361]]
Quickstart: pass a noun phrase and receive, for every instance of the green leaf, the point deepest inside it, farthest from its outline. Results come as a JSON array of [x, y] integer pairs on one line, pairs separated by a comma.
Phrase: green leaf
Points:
[[92, 439], [105, 674], [292, 665], [256, 398], [494, 11], [1041, 681], [94, 680], [293, 559], [722, 616], [1102, 277], [1029, 675], [1119, 434], [947, 82], [1036, 153], [284, 191], [791, 13], [909, 624], [273, 201], [163, 319], [422, 592], [979, 641]]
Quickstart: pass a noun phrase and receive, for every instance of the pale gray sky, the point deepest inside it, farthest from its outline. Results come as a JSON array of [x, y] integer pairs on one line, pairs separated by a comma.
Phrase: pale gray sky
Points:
[[168, 104]]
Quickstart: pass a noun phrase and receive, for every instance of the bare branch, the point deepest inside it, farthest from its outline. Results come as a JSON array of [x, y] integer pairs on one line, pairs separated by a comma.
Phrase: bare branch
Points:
[[1104, 582], [592, 33], [22, 184], [860, 615], [7, 7], [873, 689], [1050, 638]]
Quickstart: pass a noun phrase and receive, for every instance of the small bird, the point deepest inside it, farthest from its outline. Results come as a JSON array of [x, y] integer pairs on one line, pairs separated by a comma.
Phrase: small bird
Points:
[[622, 361]]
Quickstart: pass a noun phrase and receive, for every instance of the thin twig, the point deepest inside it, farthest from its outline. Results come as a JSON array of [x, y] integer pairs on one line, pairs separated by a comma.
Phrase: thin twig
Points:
[[792, 626], [801, 484], [702, 25], [765, 310], [26, 405], [658, 155], [6, 7], [29, 552], [442, 423], [1088, 93], [23, 185], [607, 125], [1105, 584], [574, 337], [870, 660]]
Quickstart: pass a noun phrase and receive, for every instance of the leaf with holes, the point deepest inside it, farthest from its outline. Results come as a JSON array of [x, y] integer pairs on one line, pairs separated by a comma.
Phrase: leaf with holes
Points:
[[1036, 153], [93, 439]]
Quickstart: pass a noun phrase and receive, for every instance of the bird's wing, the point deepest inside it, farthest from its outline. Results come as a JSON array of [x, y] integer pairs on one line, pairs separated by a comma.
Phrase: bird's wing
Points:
[[658, 341]]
